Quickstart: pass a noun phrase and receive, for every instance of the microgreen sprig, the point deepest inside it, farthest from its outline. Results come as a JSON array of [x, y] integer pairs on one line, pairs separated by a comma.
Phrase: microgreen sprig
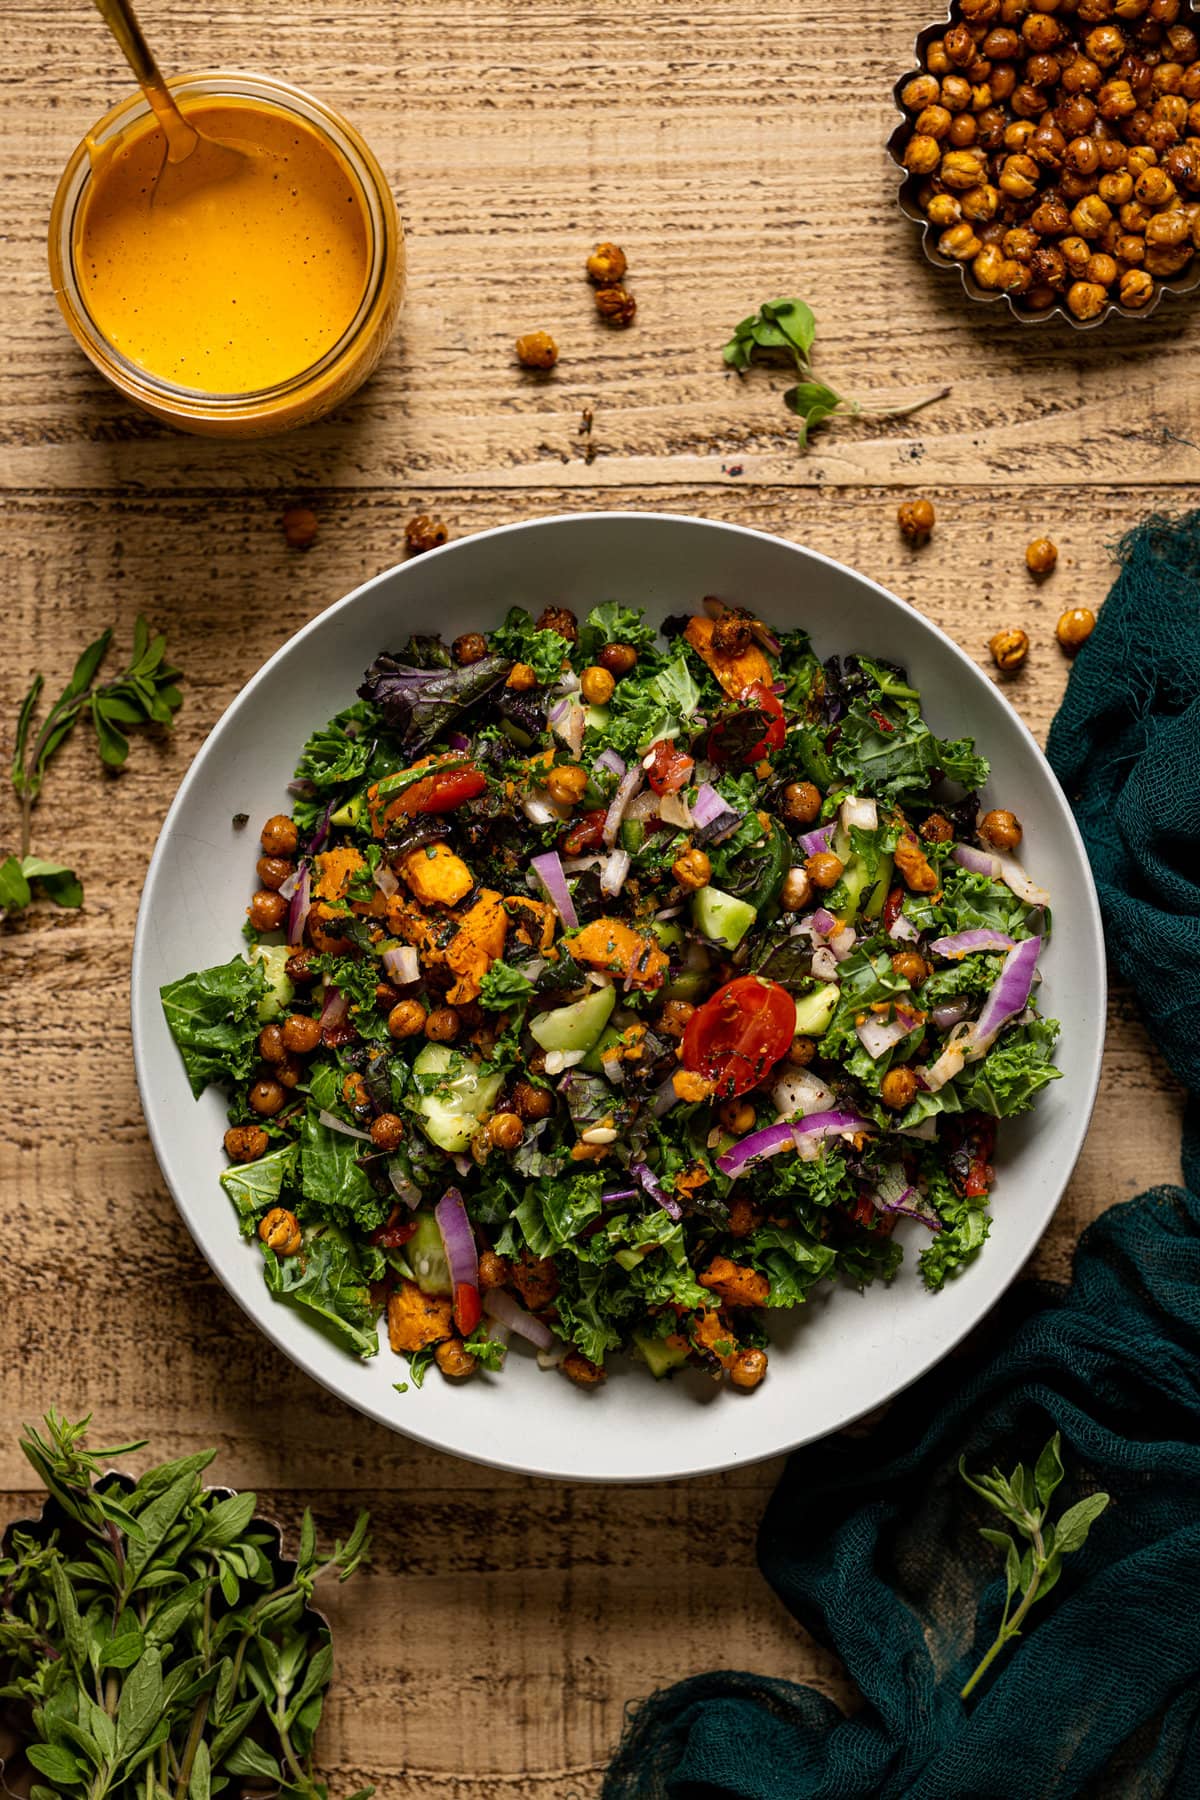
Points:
[[1023, 1498], [143, 694], [784, 330], [150, 1643]]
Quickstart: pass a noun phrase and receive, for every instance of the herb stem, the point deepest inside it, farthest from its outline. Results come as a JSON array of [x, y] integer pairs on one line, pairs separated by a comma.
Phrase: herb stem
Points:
[[902, 411]]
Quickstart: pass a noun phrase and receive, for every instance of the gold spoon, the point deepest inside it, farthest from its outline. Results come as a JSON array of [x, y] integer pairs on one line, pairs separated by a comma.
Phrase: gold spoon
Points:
[[208, 160]]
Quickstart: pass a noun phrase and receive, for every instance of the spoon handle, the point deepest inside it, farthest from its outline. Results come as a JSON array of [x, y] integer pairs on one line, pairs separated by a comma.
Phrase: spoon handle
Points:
[[122, 21]]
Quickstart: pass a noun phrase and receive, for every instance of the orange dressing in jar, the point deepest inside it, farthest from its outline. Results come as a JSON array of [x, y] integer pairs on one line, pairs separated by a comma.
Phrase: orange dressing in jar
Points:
[[232, 286]]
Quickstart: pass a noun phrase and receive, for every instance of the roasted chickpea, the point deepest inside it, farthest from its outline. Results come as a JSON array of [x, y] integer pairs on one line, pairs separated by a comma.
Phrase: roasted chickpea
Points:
[[531, 1102], [280, 1231], [990, 125], [1153, 187], [921, 155], [959, 46], [536, 350], [424, 532], [1000, 829], [731, 635], [796, 891], [675, 1017], [963, 131], [1041, 554], [567, 784], [916, 519], [1169, 228], [406, 1019], [1041, 31], [1017, 134], [1048, 146], [616, 305], [597, 685], [801, 802], [747, 1369], [1043, 71], [736, 1116], [1075, 626], [618, 659], [920, 92], [1003, 80], [933, 121], [1115, 189], [470, 648], [266, 1097], [1027, 101], [1090, 215], [959, 242], [521, 677], [246, 1143], [963, 169], [273, 871], [507, 1130], [990, 267], [937, 829], [1020, 243], [608, 263], [979, 12], [911, 966], [577, 1368], [979, 204], [692, 870], [802, 1052], [1050, 218], [270, 1044], [299, 969], [1130, 250], [1167, 78], [1009, 648], [1137, 288], [1002, 44], [299, 1034], [1075, 115], [824, 869], [560, 619], [1162, 260], [1105, 45], [300, 527], [279, 836], [1082, 76], [944, 210], [267, 911], [1113, 154], [1049, 267], [494, 1271], [898, 1089], [442, 1025], [1087, 299], [356, 1093], [1019, 177], [1171, 109]]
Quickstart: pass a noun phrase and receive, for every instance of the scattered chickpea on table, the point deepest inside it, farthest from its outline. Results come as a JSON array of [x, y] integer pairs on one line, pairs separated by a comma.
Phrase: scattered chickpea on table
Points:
[[916, 519], [424, 532]]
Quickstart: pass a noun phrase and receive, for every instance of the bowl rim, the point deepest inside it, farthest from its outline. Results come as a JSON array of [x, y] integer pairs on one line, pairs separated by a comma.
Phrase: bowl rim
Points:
[[272, 1321]]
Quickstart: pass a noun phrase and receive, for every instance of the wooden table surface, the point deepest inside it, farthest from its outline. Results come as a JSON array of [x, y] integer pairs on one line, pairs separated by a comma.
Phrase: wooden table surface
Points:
[[737, 156]]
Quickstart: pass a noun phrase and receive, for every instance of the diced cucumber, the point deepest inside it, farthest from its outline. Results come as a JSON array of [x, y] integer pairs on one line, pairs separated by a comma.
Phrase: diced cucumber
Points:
[[722, 918], [278, 996], [427, 1258], [879, 892], [815, 1010], [352, 813], [450, 1112], [595, 718], [667, 932], [593, 1062], [512, 730], [686, 985], [659, 1356], [633, 835], [575, 1027]]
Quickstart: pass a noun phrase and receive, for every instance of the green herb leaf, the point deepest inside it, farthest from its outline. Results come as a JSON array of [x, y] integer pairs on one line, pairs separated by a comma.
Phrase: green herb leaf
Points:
[[1072, 1529]]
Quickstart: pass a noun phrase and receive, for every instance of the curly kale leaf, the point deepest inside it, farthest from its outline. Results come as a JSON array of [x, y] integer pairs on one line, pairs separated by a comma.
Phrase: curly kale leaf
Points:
[[213, 1016]]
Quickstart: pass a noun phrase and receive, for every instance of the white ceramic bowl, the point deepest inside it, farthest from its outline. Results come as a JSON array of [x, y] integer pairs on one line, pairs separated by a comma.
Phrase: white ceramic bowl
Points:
[[845, 1352]]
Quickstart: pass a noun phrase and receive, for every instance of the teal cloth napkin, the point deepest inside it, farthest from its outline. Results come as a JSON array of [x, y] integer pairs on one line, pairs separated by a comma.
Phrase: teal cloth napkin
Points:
[[872, 1542]]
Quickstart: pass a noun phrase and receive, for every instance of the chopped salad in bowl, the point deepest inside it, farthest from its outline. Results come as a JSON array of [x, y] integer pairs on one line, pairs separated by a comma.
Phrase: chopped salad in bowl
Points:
[[609, 989]]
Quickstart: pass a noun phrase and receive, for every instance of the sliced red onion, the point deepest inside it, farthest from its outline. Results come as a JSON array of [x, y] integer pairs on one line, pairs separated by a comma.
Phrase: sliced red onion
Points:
[[708, 804], [458, 1241], [575, 865], [539, 809], [864, 814], [763, 635], [824, 964], [299, 904], [823, 921], [665, 1097], [630, 782], [463, 1165], [458, 740], [655, 1189], [878, 1035], [504, 1309], [287, 888], [962, 943], [673, 809], [608, 759], [799, 1093], [978, 862], [814, 842], [568, 722], [568, 682], [549, 872], [617, 1196], [386, 882], [405, 1189], [303, 789], [615, 870], [948, 1013], [842, 942], [558, 1060], [837, 1122], [331, 1122], [1014, 876], [770, 1141], [911, 1204], [334, 1008], [402, 964], [322, 832], [1008, 997], [668, 912], [902, 929]]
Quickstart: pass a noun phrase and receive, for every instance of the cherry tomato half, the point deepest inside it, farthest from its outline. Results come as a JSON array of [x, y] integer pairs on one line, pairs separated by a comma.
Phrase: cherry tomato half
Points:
[[587, 835], [740, 1033], [671, 768], [442, 793], [753, 731]]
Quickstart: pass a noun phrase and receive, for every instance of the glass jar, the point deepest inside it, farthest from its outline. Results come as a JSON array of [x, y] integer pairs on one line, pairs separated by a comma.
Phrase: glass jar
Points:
[[312, 392]]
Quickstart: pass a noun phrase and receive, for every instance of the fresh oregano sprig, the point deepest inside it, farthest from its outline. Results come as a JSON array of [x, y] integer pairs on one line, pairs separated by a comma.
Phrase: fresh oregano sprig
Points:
[[148, 1642], [143, 694], [784, 330], [1023, 1498]]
